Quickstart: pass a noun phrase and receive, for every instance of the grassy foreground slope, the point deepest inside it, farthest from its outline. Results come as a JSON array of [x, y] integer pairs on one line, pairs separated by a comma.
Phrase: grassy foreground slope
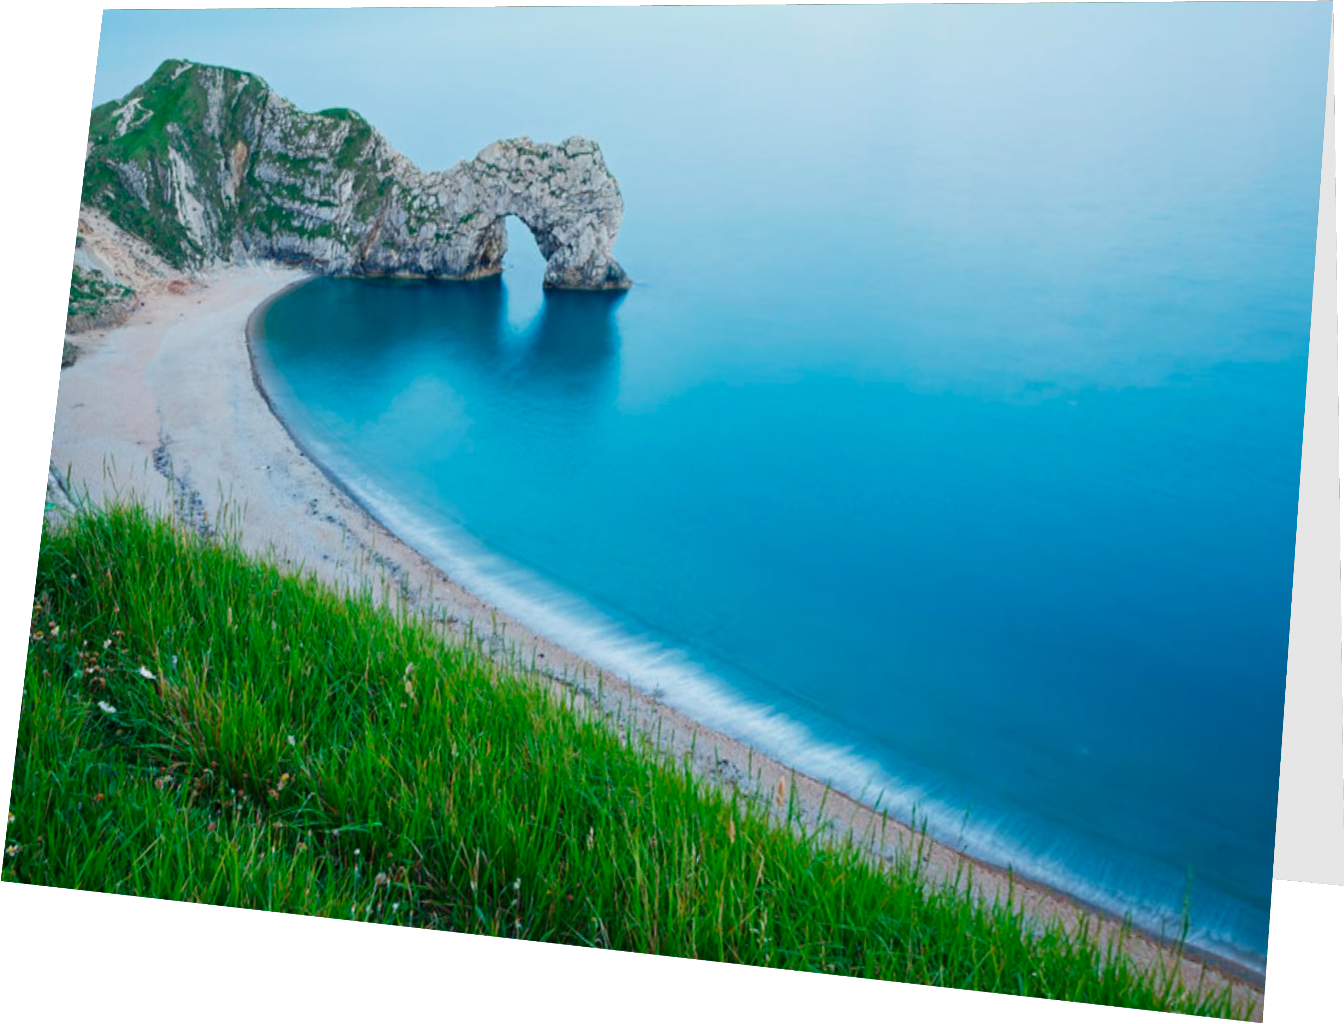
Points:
[[197, 725]]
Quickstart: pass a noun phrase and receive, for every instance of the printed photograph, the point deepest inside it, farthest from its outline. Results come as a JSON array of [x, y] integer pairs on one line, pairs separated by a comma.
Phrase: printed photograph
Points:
[[812, 487]]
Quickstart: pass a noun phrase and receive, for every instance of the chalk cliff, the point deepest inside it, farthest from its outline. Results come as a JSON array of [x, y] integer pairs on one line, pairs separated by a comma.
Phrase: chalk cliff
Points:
[[206, 165]]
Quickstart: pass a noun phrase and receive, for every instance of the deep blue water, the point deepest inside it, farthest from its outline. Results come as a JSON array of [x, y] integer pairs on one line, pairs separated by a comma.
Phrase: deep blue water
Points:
[[951, 456]]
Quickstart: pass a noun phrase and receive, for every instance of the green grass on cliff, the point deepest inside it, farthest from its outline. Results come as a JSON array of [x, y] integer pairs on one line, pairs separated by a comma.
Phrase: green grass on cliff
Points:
[[170, 113], [129, 170], [92, 293], [197, 725]]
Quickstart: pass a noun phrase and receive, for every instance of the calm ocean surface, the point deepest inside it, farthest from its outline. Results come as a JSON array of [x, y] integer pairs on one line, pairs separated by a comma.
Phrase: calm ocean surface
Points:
[[947, 446]]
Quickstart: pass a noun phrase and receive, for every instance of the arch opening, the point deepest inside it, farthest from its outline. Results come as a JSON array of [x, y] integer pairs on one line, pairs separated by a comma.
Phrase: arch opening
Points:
[[509, 242], [525, 256]]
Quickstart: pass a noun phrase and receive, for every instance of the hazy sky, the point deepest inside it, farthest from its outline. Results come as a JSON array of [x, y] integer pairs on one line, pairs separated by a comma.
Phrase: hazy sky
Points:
[[443, 83]]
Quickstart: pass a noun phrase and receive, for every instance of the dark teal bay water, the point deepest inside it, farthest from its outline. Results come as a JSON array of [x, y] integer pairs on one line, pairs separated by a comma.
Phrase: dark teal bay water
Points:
[[953, 458]]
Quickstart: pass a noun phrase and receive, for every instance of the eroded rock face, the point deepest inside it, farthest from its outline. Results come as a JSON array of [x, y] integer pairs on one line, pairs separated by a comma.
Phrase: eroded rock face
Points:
[[451, 223], [208, 165]]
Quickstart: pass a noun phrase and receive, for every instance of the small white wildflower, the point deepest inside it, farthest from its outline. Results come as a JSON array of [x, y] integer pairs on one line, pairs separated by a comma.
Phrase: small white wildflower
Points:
[[146, 672], [290, 739], [107, 643], [107, 707], [517, 884], [55, 630]]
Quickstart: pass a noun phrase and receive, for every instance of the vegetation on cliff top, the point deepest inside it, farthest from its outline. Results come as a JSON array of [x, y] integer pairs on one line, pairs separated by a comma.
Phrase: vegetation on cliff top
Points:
[[95, 298], [199, 158], [198, 725]]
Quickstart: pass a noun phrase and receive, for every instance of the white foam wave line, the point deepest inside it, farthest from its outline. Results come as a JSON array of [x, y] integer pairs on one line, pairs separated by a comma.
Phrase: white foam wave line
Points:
[[649, 665], [690, 688]]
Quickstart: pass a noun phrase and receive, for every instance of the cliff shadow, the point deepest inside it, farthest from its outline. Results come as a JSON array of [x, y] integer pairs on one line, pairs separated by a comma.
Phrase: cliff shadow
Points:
[[381, 337]]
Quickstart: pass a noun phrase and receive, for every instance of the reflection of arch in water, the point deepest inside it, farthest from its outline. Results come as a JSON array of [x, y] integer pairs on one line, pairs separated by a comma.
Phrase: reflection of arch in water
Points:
[[374, 329], [422, 331], [471, 317], [574, 340]]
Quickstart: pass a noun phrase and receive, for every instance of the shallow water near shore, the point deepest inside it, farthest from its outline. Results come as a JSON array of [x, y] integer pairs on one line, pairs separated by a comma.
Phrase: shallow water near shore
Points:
[[980, 503]]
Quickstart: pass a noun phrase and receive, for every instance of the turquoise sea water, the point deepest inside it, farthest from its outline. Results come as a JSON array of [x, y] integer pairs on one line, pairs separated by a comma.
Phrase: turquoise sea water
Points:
[[947, 446]]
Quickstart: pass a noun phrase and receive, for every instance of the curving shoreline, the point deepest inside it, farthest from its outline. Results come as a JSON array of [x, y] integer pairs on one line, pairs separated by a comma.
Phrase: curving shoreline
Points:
[[175, 401]]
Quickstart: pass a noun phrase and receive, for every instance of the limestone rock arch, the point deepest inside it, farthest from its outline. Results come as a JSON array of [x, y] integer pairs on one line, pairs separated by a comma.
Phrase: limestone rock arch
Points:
[[565, 196]]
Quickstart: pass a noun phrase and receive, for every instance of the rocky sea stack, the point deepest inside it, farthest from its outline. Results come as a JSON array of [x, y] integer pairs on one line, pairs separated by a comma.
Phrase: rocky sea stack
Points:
[[205, 165]]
